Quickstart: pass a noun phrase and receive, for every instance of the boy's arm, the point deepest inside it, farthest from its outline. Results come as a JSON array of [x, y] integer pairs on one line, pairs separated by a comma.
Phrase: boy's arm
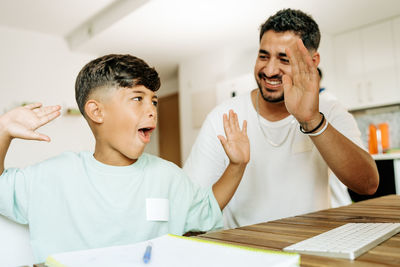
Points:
[[22, 122], [237, 147]]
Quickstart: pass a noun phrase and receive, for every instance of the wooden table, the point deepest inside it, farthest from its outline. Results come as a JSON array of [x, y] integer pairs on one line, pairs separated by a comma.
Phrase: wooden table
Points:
[[275, 235]]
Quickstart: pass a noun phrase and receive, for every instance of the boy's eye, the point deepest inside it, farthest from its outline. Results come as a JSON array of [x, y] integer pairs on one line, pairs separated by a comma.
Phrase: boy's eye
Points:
[[137, 98], [155, 103]]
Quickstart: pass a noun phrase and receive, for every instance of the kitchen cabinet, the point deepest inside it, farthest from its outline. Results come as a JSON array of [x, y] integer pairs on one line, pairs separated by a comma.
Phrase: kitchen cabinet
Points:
[[396, 35], [349, 68], [366, 67]]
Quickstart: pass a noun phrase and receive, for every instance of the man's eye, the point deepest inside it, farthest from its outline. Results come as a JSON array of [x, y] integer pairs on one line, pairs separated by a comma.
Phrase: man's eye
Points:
[[284, 60]]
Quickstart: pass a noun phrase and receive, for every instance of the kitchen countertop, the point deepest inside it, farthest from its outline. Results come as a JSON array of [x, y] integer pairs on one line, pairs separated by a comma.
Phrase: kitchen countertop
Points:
[[386, 156]]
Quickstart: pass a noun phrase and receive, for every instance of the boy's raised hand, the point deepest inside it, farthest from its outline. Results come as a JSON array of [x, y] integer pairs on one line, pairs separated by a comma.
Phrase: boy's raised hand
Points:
[[236, 144], [22, 122]]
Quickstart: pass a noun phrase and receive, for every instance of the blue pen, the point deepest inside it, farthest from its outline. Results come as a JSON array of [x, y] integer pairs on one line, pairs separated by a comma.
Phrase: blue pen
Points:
[[147, 254]]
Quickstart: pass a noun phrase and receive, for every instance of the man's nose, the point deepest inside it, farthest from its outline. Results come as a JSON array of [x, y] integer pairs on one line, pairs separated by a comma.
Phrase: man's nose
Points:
[[271, 68]]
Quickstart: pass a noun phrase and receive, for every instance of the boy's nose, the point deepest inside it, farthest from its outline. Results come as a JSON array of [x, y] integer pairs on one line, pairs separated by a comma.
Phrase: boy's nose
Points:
[[152, 112]]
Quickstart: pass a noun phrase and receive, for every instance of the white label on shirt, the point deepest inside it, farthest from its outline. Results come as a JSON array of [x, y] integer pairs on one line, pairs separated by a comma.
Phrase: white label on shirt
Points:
[[157, 209]]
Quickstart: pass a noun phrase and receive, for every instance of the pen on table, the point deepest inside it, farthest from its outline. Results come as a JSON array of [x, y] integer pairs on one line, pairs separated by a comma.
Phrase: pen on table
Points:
[[147, 253]]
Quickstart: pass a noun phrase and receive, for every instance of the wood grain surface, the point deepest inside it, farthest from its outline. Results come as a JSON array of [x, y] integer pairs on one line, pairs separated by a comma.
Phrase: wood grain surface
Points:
[[275, 235]]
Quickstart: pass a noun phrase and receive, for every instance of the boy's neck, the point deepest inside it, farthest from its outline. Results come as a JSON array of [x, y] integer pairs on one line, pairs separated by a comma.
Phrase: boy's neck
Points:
[[112, 157]]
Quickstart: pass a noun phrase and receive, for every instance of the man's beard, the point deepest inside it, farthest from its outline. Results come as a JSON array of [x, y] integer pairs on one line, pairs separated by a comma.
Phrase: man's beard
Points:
[[271, 99]]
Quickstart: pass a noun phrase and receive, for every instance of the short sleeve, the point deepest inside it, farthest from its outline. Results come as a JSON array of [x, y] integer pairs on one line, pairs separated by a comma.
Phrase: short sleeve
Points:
[[14, 195], [204, 212], [345, 123]]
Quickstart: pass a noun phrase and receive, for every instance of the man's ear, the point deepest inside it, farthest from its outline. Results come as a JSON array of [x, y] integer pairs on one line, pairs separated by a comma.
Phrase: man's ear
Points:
[[316, 58], [94, 111]]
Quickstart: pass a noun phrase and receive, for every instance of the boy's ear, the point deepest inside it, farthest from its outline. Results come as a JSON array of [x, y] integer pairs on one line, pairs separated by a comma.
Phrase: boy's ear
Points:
[[94, 111]]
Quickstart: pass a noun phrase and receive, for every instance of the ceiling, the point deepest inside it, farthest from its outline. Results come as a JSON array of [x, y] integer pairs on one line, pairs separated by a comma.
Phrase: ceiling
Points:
[[165, 32]]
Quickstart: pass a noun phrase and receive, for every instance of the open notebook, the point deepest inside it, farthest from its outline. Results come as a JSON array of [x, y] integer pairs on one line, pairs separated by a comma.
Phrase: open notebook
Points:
[[176, 251]]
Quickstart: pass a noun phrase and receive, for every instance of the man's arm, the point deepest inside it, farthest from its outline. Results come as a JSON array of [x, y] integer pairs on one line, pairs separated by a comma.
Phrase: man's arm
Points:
[[22, 122], [237, 147], [351, 164]]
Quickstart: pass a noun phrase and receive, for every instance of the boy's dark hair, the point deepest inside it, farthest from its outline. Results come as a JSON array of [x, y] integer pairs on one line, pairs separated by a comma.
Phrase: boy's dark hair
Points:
[[113, 71], [296, 21]]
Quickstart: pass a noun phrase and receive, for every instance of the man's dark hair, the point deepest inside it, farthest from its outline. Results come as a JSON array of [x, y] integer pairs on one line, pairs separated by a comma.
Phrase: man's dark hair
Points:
[[113, 71], [296, 21], [319, 72]]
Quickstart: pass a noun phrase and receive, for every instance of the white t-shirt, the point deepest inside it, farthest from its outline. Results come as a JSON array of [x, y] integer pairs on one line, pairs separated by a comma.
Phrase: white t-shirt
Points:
[[279, 181]]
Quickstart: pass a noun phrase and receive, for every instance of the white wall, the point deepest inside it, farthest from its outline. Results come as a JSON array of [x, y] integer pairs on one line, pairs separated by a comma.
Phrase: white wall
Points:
[[203, 72], [39, 67]]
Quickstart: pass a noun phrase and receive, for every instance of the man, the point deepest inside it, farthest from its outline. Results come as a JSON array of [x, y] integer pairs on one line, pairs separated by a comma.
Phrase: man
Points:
[[295, 135]]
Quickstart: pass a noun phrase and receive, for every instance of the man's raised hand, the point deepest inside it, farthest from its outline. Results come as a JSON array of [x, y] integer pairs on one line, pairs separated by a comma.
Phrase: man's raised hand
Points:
[[302, 89]]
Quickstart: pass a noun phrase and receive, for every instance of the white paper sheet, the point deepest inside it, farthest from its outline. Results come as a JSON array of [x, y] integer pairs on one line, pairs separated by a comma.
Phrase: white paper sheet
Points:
[[174, 251]]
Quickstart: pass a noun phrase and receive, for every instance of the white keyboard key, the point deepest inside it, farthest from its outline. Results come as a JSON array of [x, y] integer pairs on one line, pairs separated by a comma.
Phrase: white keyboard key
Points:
[[347, 241]]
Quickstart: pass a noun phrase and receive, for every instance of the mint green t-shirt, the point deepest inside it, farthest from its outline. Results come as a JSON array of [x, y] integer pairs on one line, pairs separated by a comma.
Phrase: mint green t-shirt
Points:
[[74, 202]]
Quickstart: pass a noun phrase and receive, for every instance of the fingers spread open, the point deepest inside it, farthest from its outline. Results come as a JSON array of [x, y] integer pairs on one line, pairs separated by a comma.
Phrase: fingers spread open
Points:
[[227, 128], [45, 118], [244, 127], [300, 61], [232, 120], [305, 55], [32, 135], [33, 105], [222, 140], [232, 126], [287, 83], [44, 111], [42, 137], [236, 121]]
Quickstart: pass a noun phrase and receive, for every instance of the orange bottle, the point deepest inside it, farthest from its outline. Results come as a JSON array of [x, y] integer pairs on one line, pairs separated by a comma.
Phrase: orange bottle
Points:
[[384, 128], [372, 141]]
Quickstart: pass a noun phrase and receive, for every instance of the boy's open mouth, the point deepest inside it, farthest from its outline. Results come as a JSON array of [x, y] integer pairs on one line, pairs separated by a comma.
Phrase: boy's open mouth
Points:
[[145, 133]]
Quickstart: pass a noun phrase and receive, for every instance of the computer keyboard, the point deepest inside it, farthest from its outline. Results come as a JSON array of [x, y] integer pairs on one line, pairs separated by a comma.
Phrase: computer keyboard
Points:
[[347, 241]]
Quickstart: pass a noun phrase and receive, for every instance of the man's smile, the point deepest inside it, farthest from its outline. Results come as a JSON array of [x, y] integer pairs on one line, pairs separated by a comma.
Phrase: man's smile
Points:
[[272, 83]]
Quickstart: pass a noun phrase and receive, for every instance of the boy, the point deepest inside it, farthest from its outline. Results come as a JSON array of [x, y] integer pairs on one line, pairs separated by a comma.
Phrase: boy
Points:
[[118, 195]]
